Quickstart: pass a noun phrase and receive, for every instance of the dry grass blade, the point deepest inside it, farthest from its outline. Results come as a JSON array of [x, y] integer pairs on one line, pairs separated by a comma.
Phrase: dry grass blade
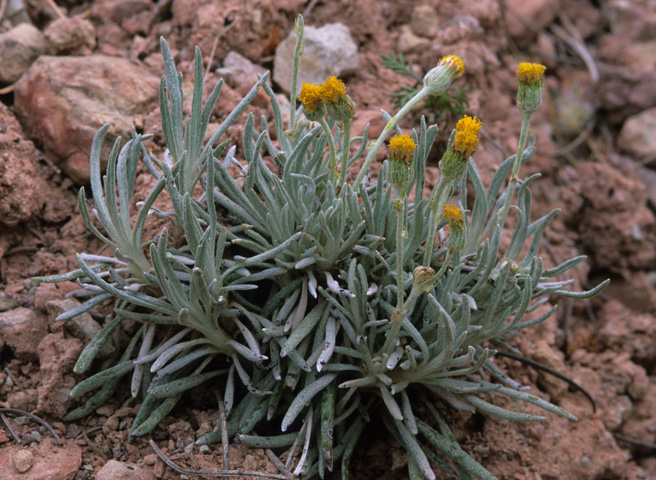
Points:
[[11, 430], [33, 417], [211, 473]]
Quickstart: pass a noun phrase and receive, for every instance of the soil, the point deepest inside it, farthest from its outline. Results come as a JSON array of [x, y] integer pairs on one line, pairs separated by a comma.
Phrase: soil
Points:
[[600, 65]]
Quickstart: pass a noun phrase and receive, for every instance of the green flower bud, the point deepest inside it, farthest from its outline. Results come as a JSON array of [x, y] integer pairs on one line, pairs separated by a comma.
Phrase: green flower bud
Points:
[[529, 94], [402, 149], [439, 78], [454, 217]]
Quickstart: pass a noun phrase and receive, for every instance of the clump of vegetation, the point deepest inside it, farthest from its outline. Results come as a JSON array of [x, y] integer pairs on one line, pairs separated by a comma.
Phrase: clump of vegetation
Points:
[[312, 301]]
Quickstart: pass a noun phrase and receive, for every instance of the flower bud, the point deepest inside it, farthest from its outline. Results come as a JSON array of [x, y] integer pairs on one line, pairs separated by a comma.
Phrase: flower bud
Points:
[[529, 93], [313, 104], [402, 149], [454, 217], [439, 78], [422, 278], [454, 162]]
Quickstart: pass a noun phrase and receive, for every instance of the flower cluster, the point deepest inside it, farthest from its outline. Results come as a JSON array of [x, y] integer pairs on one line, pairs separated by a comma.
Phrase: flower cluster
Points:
[[328, 97], [529, 93], [454, 161]]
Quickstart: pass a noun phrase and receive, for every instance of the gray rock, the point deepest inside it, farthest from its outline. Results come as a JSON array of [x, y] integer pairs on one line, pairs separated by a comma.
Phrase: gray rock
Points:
[[19, 47], [637, 135], [115, 470], [238, 70], [328, 50], [410, 42], [63, 101]]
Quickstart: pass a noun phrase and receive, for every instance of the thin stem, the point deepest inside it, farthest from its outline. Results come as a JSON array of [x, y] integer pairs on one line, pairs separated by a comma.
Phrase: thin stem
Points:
[[346, 146], [439, 197], [331, 144], [423, 93], [297, 58], [399, 206], [523, 136]]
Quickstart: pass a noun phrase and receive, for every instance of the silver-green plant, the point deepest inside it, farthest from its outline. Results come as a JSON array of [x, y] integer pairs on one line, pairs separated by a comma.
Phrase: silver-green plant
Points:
[[313, 301]]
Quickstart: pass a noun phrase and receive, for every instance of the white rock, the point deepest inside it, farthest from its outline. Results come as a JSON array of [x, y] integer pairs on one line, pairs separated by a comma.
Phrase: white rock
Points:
[[424, 21], [328, 50], [637, 134]]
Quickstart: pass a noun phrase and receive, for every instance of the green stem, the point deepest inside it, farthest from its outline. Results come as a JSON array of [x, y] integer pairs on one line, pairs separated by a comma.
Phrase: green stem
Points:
[[345, 151], [331, 144], [523, 136], [423, 93], [439, 197], [400, 209], [297, 58]]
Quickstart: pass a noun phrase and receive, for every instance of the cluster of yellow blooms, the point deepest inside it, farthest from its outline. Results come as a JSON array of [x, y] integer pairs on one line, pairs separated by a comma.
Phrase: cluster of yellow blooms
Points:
[[315, 97], [402, 148], [467, 135]]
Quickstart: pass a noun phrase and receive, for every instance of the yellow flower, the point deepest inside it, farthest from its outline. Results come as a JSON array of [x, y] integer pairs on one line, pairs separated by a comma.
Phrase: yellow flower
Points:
[[467, 135], [332, 90], [311, 96], [402, 147], [530, 73], [454, 63], [453, 215]]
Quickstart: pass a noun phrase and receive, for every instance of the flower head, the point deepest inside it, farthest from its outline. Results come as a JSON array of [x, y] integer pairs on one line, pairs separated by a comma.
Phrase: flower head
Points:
[[454, 217], [339, 104], [529, 93], [454, 161], [313, 104], [400, 162], [530, 73], [402, 147], [439, 78], [467, 135], [332, 90]]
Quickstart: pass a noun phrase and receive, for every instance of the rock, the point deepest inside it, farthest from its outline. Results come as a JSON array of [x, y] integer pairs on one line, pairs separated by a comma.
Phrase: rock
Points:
[[57, 356], [23, 460], [50, 461], [634, 20], [623, 92], [63, 101], [82, 326], [424, 21], [115, 470], [19, 163], [239, 71], [409, 42], [328, 50], [524, 18], [73, 35], [19, 47], [637, 135], [22, 329]]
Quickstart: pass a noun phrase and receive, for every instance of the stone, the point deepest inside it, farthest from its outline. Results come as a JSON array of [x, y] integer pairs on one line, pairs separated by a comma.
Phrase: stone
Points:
[[23, 460], [409, 42], [623, 92], [73, 35], [19, 47], [328, 50], [239, 71], [115, 470], [524, 18], [50, 461], [637, 135], [424, 21], [634, 20], [57, 356], [63, 101], [22, 329]]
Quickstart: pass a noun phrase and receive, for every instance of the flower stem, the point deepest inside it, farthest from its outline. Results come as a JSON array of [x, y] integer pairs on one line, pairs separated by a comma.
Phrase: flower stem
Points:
[[345, 151], [421, 94], [331, 144], [512, 183], [440, 195]]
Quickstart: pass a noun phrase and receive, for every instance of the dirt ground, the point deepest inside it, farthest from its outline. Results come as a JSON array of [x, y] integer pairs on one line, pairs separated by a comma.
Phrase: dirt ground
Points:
[[595, 151]]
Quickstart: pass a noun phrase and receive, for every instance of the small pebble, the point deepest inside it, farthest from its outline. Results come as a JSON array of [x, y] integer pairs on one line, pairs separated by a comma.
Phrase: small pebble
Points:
[[37, 436], [88, 467], [21, 420], [204, 449], [23, 461], [150, 459]]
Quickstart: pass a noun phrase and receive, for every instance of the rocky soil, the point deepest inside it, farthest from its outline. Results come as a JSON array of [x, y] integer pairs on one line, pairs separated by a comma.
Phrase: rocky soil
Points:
[[65, 72]]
